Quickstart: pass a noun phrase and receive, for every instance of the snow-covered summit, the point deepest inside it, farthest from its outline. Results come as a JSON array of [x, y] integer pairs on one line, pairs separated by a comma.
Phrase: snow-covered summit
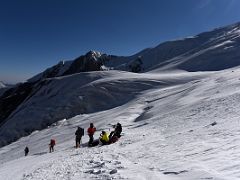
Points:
[[2, 85], [94, 54], [213, 50], [91, 61], [3, 88]]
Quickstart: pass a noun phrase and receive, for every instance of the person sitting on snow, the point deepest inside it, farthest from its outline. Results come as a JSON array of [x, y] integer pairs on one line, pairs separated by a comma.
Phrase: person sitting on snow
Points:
[[113, 139], [116, 134], [104, 139], [118, 130]]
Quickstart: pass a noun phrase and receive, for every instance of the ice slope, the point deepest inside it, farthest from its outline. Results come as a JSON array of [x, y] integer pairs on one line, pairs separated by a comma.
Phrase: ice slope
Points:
[[186, 131]]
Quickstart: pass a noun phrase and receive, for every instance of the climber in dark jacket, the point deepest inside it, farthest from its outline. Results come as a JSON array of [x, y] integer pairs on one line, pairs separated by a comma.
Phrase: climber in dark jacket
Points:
[[26, 150], [116, 134], [118, 130], [79, 133]]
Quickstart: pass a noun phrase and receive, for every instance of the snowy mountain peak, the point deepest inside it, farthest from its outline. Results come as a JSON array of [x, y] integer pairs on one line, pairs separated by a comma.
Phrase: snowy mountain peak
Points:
[[93, 54], [2, 85], [213, 50]]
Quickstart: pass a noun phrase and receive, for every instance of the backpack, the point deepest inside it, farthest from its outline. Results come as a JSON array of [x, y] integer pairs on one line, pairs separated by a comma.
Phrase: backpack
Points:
[[82, 131], [26, 150], [53, 142]]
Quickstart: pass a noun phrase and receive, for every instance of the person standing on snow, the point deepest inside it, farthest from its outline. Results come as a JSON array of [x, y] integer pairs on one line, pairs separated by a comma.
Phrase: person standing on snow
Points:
[[51, 145], [26, 150], [79, 133], [91, 131]]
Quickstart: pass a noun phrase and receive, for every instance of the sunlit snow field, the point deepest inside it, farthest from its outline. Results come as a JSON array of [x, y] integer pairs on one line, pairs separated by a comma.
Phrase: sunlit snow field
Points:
[[186, 126]]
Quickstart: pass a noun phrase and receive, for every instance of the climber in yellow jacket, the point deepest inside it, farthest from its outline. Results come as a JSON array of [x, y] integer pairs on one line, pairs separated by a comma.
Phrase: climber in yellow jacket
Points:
[[104, 138]]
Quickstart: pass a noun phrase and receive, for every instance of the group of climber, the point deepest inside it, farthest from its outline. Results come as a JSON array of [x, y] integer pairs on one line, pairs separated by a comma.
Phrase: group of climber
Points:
[[104, 138]]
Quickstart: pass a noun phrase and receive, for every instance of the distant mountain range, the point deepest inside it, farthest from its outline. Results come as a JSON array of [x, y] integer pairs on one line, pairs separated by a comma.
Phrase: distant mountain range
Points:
[[209, 51], [63, 90]]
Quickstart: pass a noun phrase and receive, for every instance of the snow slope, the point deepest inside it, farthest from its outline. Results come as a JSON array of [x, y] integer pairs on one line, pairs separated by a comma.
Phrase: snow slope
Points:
[[186, 129], [67, 96]]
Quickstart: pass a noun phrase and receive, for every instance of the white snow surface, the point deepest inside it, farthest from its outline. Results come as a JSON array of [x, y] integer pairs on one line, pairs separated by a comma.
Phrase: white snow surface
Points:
[[68, 96], [186, 130]]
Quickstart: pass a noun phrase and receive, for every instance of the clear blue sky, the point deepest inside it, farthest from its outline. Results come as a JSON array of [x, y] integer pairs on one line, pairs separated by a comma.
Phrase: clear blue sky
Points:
[[36, 34]]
